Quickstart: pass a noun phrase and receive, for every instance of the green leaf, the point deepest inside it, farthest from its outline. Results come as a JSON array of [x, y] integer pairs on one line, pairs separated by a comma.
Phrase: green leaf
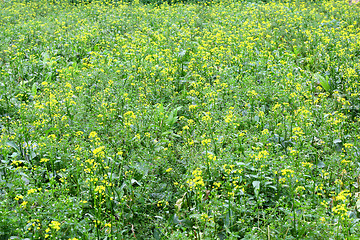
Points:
[[13, 145], [296, 50], [135, 183], [321, 165], [32, 155], [171, 120], [178, 204], [358, 205], [338, 145], [34, 89], [25, 178], [322, 81], [46, 57], [184, 222], [256, 185], [50, 130], [182, 53], [161, 109], [158, 234]]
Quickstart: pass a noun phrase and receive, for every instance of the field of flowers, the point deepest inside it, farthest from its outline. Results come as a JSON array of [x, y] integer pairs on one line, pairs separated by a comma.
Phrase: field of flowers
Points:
[[218, 120]]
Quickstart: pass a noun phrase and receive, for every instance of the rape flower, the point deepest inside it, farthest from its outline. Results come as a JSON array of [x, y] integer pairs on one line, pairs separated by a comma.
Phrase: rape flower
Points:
[[18, 197], [192, 107], [92, 134], [99, 151], [23, 204], [55, 225], [44, 160], [197, 180]]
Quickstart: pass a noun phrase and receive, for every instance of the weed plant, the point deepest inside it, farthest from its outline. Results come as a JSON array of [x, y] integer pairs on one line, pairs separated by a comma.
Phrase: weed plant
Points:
[[227, 120]]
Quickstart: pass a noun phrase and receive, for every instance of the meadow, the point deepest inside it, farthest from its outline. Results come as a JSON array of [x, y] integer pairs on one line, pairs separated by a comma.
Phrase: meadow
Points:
[[208, 120]]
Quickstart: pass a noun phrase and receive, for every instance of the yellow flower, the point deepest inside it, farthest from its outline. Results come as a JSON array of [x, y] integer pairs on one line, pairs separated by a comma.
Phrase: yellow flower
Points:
[[79, 133], [206, 118], [298, 131], [206, 142], [18, 197], [99, 151], [23, 204], [285, 171], [55, 225], [92, 134], [30, 191], [265, 131], [348, 145], [192, 107], [100, 189], [342, 195], [52, 136], [44, 160], [211, 156], [197, 180], [253, 93]]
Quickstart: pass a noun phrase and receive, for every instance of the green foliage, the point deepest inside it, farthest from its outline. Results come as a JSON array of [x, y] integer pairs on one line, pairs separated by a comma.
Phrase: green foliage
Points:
[[216, 120]]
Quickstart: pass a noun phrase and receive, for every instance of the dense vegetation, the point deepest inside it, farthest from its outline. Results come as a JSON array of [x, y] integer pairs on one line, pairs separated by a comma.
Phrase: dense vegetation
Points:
[[219, 120]]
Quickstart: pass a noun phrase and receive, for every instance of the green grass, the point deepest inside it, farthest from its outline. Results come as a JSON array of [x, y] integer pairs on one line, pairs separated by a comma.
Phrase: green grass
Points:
[[224, 120]]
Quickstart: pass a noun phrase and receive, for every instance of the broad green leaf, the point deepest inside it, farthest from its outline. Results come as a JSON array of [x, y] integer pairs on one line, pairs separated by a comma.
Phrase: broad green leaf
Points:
[[13, 145], [178, 204], [321, 164], [322, 81], [358, 205], [256, 184], [46, 57], [135, 183], [34, 89]]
